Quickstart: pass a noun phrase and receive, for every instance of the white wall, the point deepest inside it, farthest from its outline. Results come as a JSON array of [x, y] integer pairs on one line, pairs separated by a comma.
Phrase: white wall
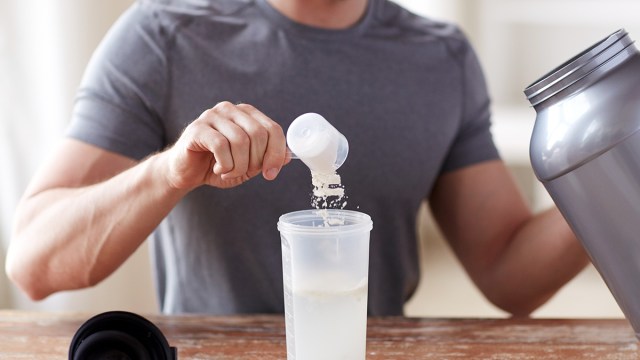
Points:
[[44, 47]]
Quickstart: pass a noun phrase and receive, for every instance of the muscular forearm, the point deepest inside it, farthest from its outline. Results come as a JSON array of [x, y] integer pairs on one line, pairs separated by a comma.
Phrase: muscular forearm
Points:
[[518, 260], [68, 238], [542, 256], [74, 228]]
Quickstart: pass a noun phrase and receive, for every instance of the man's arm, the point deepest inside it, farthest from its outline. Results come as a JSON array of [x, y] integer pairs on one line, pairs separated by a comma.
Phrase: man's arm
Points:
[[518, 260], [87, 210]]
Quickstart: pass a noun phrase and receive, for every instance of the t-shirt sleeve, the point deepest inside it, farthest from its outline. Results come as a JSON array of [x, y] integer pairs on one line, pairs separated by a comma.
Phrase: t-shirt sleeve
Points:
[[118, 104], [474, 142]]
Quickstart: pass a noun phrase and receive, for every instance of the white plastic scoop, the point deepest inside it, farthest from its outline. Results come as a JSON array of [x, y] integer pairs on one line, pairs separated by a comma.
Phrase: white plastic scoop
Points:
[[317, 143]]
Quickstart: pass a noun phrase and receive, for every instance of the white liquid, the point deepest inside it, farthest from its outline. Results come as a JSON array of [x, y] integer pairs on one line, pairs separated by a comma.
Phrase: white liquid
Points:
[[328, 325]]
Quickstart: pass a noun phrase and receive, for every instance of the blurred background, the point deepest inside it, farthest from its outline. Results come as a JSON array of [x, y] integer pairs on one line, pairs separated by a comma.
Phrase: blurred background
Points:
[[45, 45]]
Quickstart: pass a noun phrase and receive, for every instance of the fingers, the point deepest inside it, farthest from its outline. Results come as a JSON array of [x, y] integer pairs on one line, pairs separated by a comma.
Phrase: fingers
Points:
[[232, 160], [273, 152], [243, 140]]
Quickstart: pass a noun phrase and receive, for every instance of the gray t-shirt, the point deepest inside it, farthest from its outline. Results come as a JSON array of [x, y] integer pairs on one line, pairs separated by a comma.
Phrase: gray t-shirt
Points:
[[407, 92]]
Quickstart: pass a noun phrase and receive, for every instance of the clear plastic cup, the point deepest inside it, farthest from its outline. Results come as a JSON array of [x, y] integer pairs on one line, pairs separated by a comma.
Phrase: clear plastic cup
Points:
[[325, 262], [317, 143]]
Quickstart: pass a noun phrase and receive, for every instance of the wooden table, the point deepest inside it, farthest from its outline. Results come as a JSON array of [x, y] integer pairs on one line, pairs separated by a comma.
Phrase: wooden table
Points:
[[28, 335]]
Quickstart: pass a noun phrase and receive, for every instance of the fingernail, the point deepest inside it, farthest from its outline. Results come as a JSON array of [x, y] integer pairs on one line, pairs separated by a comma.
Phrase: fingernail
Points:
[[271, 173]]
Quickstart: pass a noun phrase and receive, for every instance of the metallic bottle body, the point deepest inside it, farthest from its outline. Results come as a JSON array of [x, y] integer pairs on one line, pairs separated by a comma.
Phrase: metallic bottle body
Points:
[[585, 149]]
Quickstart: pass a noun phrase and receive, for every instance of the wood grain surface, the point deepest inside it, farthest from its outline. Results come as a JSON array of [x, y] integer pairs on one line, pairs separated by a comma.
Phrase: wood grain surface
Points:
[[29, 335]]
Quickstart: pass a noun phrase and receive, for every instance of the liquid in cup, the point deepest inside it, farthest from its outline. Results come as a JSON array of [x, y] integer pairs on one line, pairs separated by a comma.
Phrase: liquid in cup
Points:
[[325, 261]]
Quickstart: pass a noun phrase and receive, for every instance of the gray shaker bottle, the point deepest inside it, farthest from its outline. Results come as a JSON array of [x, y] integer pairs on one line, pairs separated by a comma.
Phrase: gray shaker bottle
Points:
[[585, 149]]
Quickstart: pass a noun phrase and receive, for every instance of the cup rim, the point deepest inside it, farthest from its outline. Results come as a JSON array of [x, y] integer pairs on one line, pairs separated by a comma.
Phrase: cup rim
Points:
[[356, 221]]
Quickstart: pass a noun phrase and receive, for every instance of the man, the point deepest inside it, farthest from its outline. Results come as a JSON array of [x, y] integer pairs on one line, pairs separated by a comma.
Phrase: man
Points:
[[408, 94]]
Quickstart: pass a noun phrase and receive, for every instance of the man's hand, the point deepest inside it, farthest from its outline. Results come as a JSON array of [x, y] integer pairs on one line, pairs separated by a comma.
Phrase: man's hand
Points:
[[88, 209], [226, 146]]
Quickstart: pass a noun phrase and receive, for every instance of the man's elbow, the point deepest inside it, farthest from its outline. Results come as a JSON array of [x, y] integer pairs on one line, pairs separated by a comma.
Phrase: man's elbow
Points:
[[25, 278], [516, 303]]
